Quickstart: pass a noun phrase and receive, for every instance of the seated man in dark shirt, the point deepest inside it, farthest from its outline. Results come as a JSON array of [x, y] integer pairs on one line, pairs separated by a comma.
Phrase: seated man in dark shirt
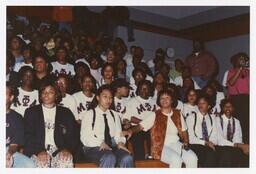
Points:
[[14, 134]]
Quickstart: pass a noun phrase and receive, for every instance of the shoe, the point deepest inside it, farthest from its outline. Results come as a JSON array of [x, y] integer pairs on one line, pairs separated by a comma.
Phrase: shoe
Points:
[[148, 157]]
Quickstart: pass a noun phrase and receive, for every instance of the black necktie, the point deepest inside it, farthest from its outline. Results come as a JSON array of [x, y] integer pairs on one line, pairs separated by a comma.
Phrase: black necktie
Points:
[[107, 137]]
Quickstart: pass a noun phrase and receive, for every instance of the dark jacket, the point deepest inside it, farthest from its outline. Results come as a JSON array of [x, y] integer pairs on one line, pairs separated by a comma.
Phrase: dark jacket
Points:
[[66, 134]]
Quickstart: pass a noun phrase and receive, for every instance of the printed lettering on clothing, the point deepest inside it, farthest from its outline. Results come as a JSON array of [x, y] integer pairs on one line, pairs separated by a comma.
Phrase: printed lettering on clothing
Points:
[[119, 108], [25, 100], [49, 125], [62, 71], [81, 107], [140, 109], [146, 107]]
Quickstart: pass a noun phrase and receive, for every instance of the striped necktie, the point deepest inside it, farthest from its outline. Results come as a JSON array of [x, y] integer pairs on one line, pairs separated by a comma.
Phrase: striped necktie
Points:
[[204, 130]]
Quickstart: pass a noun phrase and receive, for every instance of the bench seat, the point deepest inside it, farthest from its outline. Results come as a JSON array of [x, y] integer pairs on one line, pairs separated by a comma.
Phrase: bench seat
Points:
[[138, 164]]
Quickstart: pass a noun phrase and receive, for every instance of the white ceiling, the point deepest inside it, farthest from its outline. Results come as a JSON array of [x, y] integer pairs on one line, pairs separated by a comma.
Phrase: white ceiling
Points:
[[176, 12]]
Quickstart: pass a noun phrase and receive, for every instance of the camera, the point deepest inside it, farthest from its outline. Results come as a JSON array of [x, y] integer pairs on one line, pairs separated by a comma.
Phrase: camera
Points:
[[244, 62]]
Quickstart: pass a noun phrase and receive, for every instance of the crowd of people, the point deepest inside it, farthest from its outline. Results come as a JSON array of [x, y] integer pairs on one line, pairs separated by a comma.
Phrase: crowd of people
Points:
[[71, 96]]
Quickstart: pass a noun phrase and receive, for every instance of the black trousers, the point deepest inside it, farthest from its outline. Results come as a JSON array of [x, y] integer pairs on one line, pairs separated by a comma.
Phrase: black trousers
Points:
[[137, 141], [207, 157], [241, 112], [231, 157]]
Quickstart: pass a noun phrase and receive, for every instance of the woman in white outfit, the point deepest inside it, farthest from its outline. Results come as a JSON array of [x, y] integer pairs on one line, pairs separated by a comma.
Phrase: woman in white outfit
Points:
[[169, 136]]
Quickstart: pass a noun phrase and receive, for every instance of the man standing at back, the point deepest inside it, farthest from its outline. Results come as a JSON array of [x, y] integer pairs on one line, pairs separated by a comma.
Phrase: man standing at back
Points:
[[202, 63]]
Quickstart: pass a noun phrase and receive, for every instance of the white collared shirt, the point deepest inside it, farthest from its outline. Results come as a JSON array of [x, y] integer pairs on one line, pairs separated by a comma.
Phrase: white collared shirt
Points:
[[143, 110], [171, 135], [82, 103], [222, 132], [195, 135], [94, 137]]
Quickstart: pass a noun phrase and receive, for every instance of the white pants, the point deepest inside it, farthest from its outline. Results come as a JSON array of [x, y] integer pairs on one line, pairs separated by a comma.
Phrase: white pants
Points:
[[174, 155]]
